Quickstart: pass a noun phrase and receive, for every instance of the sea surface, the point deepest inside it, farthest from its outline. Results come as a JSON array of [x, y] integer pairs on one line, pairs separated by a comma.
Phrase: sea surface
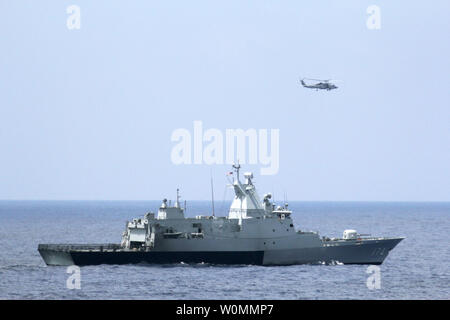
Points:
[[418, 268]]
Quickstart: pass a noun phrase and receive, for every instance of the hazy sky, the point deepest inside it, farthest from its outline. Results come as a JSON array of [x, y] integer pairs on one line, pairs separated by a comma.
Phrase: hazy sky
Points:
[[89, 113]]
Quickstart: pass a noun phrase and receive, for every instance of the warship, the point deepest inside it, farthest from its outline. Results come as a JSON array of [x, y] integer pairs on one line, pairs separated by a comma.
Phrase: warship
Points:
[[254, 233]]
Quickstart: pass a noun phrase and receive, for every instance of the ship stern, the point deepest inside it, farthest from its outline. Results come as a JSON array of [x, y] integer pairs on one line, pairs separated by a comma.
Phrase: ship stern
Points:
[[54, 257]]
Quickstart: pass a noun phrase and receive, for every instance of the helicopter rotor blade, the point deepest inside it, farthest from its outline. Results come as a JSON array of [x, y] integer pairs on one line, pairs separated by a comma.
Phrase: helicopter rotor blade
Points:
[[313, 79]]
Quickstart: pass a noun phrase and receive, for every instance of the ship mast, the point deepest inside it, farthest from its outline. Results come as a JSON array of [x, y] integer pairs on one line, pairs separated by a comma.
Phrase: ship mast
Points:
[[212, 196], [177, 203], [237, 182], [236, 168]]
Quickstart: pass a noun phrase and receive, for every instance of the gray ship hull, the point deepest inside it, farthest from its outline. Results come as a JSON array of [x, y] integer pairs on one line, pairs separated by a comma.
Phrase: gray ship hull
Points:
[[348, 252], [373, 251]]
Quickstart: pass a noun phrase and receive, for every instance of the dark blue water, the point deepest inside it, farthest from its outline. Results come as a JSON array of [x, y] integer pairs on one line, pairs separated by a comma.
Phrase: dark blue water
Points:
[[418, 268]]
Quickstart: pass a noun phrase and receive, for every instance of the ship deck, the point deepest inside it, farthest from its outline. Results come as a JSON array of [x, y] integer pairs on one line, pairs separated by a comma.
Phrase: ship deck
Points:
[[70, 247]]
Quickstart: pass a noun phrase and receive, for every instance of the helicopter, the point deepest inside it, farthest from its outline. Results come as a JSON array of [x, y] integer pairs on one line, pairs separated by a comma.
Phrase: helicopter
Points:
[[322, 84]]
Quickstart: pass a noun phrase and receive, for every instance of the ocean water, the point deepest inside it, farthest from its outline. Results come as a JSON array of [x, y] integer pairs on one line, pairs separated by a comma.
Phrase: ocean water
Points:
[[418, 268]]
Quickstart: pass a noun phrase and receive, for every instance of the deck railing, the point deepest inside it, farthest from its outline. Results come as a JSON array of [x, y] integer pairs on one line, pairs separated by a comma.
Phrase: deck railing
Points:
[[74, 247]]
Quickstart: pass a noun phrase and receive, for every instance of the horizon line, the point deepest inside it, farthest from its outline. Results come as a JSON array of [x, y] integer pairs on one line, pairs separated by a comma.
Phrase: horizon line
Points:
[[209, 200]]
